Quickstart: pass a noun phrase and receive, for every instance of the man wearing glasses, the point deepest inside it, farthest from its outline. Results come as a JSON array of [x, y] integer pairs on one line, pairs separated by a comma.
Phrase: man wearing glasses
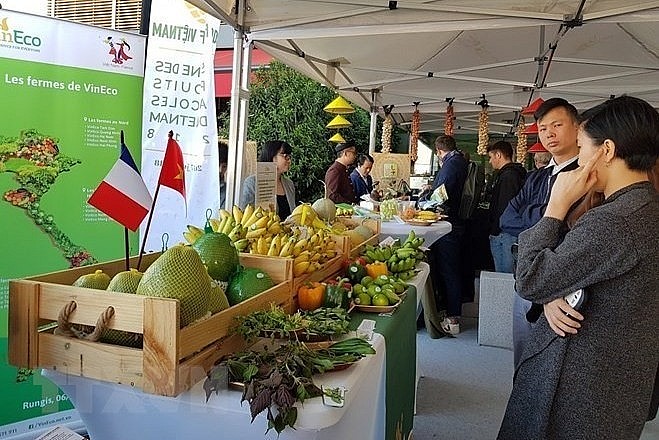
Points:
[[337, 180]]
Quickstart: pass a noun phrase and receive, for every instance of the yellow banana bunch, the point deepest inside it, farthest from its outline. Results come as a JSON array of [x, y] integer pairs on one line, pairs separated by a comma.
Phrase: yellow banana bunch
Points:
[[301, 268], [304, 215], [192, 234]]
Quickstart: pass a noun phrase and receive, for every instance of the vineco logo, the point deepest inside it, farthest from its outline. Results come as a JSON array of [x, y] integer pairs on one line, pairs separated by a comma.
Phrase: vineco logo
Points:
[[17, 37]]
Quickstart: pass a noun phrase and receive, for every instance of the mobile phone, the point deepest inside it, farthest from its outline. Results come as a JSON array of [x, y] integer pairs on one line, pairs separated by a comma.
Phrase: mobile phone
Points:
[[576, 298]]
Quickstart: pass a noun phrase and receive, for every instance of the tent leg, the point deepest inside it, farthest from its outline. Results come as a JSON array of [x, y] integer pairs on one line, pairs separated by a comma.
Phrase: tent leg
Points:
[[374, 122]]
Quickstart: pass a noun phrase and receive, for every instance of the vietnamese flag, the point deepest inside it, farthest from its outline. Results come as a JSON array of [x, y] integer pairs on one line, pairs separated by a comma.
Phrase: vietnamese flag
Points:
[[172, 173]]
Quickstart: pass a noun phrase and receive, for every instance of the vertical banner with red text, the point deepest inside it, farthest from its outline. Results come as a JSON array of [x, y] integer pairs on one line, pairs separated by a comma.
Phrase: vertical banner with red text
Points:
[[179, 96]]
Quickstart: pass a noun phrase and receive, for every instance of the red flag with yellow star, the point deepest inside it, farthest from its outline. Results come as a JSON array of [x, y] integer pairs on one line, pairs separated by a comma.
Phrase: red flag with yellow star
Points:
[[172, 173]]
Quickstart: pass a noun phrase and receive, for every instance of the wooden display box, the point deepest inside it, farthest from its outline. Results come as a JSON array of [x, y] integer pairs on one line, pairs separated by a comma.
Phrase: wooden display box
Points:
[[344, 241], [284, 265], [172, 359], [329, 269]]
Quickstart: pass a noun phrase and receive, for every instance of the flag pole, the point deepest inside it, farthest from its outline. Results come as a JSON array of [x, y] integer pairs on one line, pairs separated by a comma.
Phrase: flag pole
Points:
[[126, 247], [148, 222], [148, 225]]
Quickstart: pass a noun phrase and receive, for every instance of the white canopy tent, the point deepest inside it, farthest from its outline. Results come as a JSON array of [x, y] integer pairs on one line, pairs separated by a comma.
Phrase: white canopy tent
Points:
[[380, 53]]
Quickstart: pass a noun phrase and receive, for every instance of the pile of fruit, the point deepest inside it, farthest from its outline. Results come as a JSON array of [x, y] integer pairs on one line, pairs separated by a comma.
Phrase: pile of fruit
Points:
[[388, 208], [382, 290], [344, 210], [357, 233], [206, 278], [400, 259], [303, 237], [425, 216]]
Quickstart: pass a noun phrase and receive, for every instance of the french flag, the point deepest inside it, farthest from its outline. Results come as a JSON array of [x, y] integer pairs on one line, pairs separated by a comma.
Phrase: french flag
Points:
[[123, 195]]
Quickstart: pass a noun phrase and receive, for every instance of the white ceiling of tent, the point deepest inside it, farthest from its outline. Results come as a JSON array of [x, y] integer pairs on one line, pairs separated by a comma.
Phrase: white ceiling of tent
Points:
[[427, 51]]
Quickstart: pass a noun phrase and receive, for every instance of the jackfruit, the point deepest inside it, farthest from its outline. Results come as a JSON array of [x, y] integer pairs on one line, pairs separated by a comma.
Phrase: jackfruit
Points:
[[180, 274], [218, 255], [97, 280], [126, 282], [218, 300], [247, 283]]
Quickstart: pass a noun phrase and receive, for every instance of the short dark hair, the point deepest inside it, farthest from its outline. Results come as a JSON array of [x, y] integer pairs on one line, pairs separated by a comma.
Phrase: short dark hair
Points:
[[362, 158], [553, 103], [223, 151], [502, 146], [340, 148], [633, 126], [445, 143], [271, 148]]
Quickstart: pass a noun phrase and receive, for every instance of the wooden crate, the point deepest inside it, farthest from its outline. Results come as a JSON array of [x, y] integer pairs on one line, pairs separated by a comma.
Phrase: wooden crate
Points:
[[284, 265], [347, 248], [172, 359]]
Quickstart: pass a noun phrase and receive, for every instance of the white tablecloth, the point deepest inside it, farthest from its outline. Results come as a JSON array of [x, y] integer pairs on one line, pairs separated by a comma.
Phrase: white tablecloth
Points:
[[112, 411], [430, 233]]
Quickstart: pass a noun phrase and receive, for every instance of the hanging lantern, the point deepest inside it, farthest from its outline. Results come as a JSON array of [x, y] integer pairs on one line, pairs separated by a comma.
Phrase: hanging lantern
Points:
[[531, 129], [532, 107], [414, 133], [537, 148], [337, 138], [339, 107], [521, 140], [338, 122]]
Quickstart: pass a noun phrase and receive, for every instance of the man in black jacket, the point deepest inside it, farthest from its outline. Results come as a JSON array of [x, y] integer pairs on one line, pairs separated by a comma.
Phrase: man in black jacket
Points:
[[508, 181]]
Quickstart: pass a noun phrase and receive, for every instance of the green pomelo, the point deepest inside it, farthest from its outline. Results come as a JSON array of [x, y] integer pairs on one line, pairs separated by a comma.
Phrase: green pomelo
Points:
[[97, 280], [180, 274], [218, 300], [126, 282], [247, 283], [218, 254]]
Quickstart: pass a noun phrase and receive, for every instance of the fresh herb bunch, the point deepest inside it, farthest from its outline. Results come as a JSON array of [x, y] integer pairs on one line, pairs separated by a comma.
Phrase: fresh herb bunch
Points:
[[326, 321], [276, 379], [276, 322]]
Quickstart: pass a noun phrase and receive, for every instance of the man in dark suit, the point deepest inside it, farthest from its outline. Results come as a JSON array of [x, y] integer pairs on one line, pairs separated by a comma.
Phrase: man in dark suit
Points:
[[558, 125], [361, 175]]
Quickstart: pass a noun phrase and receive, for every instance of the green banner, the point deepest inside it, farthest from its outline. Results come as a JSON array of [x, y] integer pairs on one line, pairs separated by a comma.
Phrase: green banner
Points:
[[67, 92]]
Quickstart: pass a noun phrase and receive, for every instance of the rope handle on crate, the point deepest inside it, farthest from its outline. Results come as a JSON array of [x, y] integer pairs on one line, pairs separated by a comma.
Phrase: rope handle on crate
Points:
[[65, 328]]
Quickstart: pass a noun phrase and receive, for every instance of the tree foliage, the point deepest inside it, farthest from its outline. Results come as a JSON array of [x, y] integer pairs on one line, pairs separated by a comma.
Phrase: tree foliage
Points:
[[288, 106]]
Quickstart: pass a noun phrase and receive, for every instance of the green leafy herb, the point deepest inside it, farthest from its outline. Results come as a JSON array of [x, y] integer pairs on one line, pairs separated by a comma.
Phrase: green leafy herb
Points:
[[275, 379]]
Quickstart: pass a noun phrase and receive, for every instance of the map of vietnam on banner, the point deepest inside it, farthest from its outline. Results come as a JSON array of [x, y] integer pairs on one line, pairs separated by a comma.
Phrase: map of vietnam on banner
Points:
[[68, 90], [179, 96]]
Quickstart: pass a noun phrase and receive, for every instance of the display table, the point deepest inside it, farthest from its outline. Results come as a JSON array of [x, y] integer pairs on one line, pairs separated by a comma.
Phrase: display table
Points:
[[426, 301], [380, 396], [430, 233]]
